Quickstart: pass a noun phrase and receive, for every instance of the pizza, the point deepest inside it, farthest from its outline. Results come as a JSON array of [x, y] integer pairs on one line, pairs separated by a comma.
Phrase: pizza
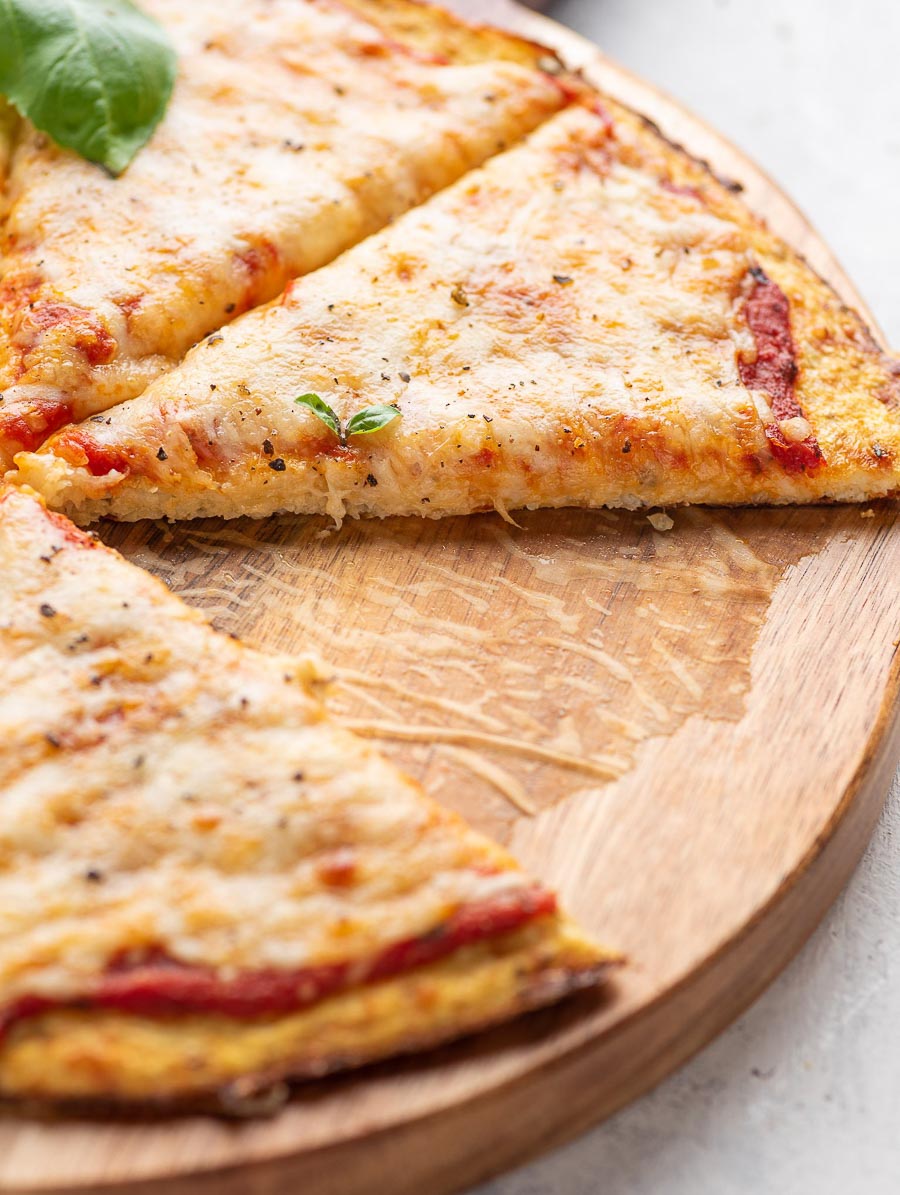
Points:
[[297, 127], [589, 319], [206, 884]]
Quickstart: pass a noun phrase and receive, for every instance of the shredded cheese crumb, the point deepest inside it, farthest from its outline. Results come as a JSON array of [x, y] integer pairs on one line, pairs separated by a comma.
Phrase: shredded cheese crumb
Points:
[[660, 521]]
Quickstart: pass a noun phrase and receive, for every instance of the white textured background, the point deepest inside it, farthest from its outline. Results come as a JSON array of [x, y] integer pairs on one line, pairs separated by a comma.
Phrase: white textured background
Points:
[[802, 1095]]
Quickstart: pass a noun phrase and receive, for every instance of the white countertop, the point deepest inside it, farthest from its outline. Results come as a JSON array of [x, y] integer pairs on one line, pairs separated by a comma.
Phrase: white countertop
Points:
[[802, 1094]]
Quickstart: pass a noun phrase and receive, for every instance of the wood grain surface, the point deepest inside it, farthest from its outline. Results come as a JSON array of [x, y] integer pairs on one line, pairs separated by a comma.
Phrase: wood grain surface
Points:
[[689, 734]]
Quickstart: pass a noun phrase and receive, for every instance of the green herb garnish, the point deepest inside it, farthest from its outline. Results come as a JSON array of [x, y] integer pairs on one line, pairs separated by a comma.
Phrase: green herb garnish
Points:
[[96, 75], [323, 410], [363, 423]]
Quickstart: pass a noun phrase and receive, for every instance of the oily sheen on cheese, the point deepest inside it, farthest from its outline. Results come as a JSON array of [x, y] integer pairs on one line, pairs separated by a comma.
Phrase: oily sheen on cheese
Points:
[[591, 318], [296, 128], [204, 880]]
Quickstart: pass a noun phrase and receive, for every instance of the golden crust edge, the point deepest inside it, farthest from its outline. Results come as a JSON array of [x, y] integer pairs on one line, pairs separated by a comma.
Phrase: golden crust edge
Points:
[[838, 484], [80, 1056], [432, 29]]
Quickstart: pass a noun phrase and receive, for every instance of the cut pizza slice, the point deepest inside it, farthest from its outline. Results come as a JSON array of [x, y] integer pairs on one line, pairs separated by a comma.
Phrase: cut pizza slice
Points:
[[208, 885], [296, 128], [589, 319]]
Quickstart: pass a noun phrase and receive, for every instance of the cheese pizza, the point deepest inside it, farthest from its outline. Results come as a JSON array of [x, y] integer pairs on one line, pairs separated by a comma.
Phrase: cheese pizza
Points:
[[591, 318], [296, 128], [206, 884]]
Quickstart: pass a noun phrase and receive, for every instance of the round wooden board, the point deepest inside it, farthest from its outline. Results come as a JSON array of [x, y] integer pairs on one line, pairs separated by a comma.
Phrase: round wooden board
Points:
[[699, 724]]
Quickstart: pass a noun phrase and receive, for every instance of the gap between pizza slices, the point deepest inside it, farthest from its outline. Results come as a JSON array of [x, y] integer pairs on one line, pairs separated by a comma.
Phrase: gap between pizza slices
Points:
[[206, 884], [296, 128], [590, 318]]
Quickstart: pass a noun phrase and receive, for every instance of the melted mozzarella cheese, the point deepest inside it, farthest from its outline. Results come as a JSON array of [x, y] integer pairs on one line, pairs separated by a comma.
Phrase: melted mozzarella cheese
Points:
[[296, 128], [166, 789]]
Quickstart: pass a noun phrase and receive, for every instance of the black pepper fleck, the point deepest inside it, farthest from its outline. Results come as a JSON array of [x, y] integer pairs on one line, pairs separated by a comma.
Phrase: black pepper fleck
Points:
[[162, 455], [47, 610], [278, 464]]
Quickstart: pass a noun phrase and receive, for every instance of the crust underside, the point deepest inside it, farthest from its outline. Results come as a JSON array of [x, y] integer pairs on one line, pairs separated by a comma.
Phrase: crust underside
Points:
[[95, 1056], [146, 501]]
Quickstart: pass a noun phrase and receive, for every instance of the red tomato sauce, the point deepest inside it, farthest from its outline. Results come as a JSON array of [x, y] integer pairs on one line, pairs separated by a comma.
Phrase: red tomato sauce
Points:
[[157, 985], [768, 315]]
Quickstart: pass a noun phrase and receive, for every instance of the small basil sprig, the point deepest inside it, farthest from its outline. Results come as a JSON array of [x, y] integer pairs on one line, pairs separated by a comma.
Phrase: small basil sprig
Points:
[[323, 410], [96, 75], [369, 419]]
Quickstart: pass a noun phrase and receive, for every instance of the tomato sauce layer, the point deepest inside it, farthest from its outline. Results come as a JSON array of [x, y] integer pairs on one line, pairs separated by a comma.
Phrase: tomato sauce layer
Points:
[[774, 371], [157, 985], [28, 427]]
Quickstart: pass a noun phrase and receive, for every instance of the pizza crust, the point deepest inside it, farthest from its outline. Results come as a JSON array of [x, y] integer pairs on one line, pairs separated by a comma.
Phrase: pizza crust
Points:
[[432, 29], [106, 1056], [203, 879], [567, 326]]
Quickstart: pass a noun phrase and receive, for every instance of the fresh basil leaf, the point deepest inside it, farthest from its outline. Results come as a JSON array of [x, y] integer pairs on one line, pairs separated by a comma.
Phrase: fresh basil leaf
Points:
[[96, 75], [318, 407], [371, 419]]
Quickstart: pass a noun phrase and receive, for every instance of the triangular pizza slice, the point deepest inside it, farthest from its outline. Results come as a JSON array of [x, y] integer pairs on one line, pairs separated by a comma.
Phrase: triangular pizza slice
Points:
[[296, 128], [591, 318], [206, 884]]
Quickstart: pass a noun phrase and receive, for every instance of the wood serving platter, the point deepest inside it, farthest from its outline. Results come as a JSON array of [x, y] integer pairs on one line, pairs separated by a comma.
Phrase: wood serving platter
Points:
[[689, 734]]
